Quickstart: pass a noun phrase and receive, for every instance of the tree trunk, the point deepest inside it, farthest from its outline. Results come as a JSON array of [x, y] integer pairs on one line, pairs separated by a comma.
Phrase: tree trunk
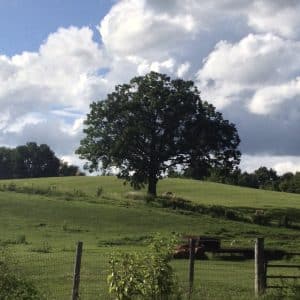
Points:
[[152, 181]]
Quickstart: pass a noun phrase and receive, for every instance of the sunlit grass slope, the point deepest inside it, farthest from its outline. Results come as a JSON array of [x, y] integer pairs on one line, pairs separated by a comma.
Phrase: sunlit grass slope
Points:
[[41, 230], [202, 192]]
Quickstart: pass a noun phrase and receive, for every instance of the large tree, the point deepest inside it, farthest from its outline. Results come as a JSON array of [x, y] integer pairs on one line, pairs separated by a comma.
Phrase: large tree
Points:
[[34, 160], [152, 124], [267, 178]]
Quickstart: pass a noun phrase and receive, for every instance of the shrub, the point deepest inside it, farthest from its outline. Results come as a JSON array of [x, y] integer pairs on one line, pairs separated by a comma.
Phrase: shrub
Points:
[[64, 226], [45, 191], [284, 221], [261, 219], [44, 248], [99, 191], [21, 239], [11, 187], [78, 193], [13, 286], [217, 211], [147, 276], [231, 215], [135, 196], [175, 203]]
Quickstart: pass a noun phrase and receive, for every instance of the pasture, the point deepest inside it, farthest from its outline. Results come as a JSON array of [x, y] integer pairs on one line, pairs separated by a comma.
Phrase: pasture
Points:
[[42, 219]]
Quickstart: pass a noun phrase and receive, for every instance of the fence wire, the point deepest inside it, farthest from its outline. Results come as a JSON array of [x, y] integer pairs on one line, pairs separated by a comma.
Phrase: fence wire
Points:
[[52, 273]]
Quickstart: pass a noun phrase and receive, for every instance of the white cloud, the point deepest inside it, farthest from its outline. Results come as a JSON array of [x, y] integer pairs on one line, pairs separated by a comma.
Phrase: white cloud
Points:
[[183, 69], [287, 166], [61, 79], [261, 66], [243, 54], [278, 16], [281, 164], [150, 27], [269, 99], [130, 28], [63, 72], [4, 118], [18, 125]]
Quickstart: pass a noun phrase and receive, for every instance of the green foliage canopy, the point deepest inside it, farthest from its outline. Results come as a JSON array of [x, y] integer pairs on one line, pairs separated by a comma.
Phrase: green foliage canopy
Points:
[[145, 276], [31, 161], [152, 124]]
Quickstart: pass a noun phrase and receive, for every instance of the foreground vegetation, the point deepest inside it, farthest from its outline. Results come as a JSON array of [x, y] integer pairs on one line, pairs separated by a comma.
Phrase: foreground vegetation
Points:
[[41, 220]]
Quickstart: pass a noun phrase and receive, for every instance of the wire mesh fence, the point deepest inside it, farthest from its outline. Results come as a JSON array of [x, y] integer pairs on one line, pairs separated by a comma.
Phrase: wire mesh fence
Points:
[[214, 279], [52, 273]]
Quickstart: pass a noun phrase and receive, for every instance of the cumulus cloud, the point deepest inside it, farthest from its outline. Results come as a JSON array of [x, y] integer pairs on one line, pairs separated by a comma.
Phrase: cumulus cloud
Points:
[[281, 164], [277, 16], [268, 99], [243, 55], [62, 72], [254, 65], [62, 76], [129, 28]]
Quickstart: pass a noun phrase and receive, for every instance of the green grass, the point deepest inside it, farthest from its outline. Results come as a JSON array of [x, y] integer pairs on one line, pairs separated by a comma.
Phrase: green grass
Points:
[[195, 190], [40, 231]]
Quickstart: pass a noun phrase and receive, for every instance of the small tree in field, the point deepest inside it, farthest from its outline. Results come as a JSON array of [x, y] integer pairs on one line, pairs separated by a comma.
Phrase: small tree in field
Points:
[[145, 276], [152, 124]]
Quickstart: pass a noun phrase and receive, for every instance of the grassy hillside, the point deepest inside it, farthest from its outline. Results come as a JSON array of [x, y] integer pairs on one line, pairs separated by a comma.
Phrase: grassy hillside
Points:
[[41, 230], [195, 190]]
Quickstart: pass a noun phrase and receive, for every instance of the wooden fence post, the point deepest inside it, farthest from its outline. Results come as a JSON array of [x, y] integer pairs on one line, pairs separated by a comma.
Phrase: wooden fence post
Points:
[[76, 276], [191, 265], [260, 274]]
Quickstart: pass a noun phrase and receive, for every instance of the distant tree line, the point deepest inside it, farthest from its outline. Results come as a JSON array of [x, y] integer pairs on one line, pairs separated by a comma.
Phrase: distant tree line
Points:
[[262, 178], [31, 161]]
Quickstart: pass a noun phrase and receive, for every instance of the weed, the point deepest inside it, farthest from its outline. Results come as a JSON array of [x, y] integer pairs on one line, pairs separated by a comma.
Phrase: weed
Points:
[[132, 240], [44, 248], [21, 239], [231, 215], [15, 286], [261, 219], [99, 191], [64, 226]]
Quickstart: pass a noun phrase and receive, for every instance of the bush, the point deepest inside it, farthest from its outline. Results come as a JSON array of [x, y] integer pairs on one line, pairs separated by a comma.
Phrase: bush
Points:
[[13, 286], [261, 219], [44, 248], [45, 191], [284, 221], [21, 239], [217, 211], [175, 202], [231, 215], [99, 191], [146, 276]]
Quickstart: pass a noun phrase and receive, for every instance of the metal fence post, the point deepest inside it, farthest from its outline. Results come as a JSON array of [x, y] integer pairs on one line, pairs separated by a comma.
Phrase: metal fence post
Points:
[[191, 265], [76, 277], [260, 274]]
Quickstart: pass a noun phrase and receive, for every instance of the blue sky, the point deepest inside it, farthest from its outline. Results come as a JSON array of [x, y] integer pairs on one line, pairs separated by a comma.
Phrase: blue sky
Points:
[[24, 24], [58, 56]]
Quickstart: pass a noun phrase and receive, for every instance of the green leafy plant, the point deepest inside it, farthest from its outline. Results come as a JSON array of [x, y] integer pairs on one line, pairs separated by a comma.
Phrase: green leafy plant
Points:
[[21, 239], [99, 191], [64, 226], [14, 286], [147, 276], [44, 248], [261, 219]]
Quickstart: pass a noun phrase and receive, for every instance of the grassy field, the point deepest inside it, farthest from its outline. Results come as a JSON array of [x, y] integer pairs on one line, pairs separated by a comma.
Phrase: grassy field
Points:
[[41, 222]]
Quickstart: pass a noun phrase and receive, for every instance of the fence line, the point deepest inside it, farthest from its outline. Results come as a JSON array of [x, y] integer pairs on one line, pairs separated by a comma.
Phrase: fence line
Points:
[[214, 278]]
